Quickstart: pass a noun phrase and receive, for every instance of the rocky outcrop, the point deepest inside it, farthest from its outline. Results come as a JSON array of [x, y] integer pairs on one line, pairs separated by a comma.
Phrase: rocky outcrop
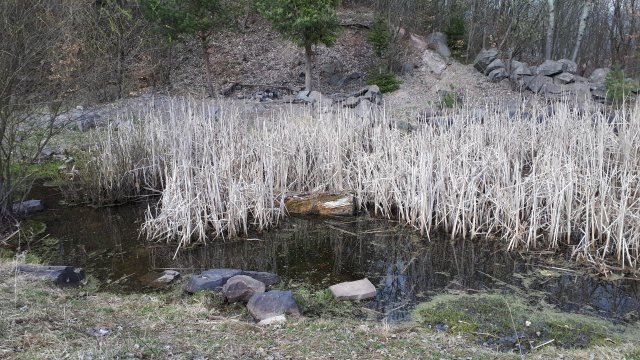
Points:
[[241, 288], [271, 304], [59, 275], [353, 290]]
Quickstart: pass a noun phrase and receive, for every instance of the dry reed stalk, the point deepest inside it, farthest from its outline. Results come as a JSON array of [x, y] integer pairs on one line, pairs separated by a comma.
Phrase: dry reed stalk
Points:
[[569, 178]]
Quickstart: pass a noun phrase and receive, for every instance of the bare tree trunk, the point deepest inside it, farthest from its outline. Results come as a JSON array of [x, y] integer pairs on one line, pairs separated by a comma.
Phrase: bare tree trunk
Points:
[[208, 69], [548, 48], [586, 9], [308, 58]]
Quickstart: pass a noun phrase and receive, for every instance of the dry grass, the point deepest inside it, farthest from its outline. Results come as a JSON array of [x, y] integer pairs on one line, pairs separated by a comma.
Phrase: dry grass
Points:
[[572, 178], [38, 321]]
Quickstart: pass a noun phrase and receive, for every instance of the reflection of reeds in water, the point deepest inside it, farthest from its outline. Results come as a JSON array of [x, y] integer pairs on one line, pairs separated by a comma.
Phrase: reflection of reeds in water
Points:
[[572, 178]]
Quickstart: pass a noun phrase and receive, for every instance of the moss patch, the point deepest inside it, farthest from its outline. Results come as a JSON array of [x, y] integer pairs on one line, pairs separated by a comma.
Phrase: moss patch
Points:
[[507, 323]]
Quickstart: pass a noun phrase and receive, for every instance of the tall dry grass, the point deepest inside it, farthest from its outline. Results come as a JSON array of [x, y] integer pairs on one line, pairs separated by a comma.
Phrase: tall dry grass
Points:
[[569, 179]]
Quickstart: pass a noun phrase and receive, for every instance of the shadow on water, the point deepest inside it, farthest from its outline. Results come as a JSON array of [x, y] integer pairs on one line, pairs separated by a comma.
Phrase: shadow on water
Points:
[[405, 266]]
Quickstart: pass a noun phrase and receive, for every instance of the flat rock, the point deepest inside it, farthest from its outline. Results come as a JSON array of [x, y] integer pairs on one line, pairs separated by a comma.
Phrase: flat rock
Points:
[[280, 319], [215, 279], [353, 290], [271, 304], [28, 207], [167, 277], [564, 78], [241, 288], [60, 275], [210, 280], [550, 68]]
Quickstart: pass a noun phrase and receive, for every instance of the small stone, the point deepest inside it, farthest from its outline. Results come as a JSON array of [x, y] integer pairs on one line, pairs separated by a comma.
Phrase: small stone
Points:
[[527, 323], [272, 303], [28, 207], [168, 276], [353, 290], [280, 319]]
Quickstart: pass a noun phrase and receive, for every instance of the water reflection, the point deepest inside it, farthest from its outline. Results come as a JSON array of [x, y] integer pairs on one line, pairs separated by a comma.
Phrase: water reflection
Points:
[[404, 266]]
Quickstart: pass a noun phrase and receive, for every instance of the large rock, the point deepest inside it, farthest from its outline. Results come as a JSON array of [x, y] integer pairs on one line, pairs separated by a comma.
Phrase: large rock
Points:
[[484, 58], [353, 290], [321, 204], [210, 280], [519, 68], [550, 68], [60, 275], [241, 288], [495, 64], [498, 75], [266, 278], [28, 207], [434, 62], [309, 97], [564, 78], [373, 94], [569, 66], [539, 84], [599, 75], [437, 42], [271, 304]]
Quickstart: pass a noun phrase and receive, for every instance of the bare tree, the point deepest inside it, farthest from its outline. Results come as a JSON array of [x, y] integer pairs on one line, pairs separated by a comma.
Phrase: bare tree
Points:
[[586, 9], [30, 99]]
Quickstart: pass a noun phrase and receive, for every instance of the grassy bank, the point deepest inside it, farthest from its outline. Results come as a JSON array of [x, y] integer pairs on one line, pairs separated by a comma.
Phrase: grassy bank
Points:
[[568, 177], [45, 322]]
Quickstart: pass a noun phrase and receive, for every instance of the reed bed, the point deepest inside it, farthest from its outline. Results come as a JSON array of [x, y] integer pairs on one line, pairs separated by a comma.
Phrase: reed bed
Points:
[[570, 179]]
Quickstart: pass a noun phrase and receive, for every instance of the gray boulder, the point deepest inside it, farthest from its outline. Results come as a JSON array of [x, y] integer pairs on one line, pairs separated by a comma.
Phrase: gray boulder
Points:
[[241, 288], [484, 58], [210, 280], [569, 66], [437, 42], [538, 83], [353, 290], [271, 304], [519, 68], [550, 68], [434, 62], [495, 65], [373, 94], [564, 78], [266, 278], [351, 102], [216, 278], [498, 75], [60, 275], [599, 75], [28, 207], [309, 97]]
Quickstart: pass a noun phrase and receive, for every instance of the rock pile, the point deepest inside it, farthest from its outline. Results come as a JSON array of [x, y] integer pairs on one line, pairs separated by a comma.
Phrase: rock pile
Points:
[[549, 78]]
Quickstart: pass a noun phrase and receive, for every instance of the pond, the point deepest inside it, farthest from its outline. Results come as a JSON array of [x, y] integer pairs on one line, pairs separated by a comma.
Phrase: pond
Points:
[[405, 266]]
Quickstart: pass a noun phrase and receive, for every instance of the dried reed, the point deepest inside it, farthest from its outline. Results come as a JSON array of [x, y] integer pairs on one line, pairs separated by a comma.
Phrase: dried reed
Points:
[[571, 178]]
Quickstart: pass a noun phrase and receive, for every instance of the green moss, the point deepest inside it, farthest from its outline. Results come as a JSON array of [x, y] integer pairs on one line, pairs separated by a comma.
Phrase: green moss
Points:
[[491, 317], [45, 170]]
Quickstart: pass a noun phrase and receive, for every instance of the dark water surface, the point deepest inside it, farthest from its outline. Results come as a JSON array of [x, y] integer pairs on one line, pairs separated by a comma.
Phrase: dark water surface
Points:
[[405, 266]]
